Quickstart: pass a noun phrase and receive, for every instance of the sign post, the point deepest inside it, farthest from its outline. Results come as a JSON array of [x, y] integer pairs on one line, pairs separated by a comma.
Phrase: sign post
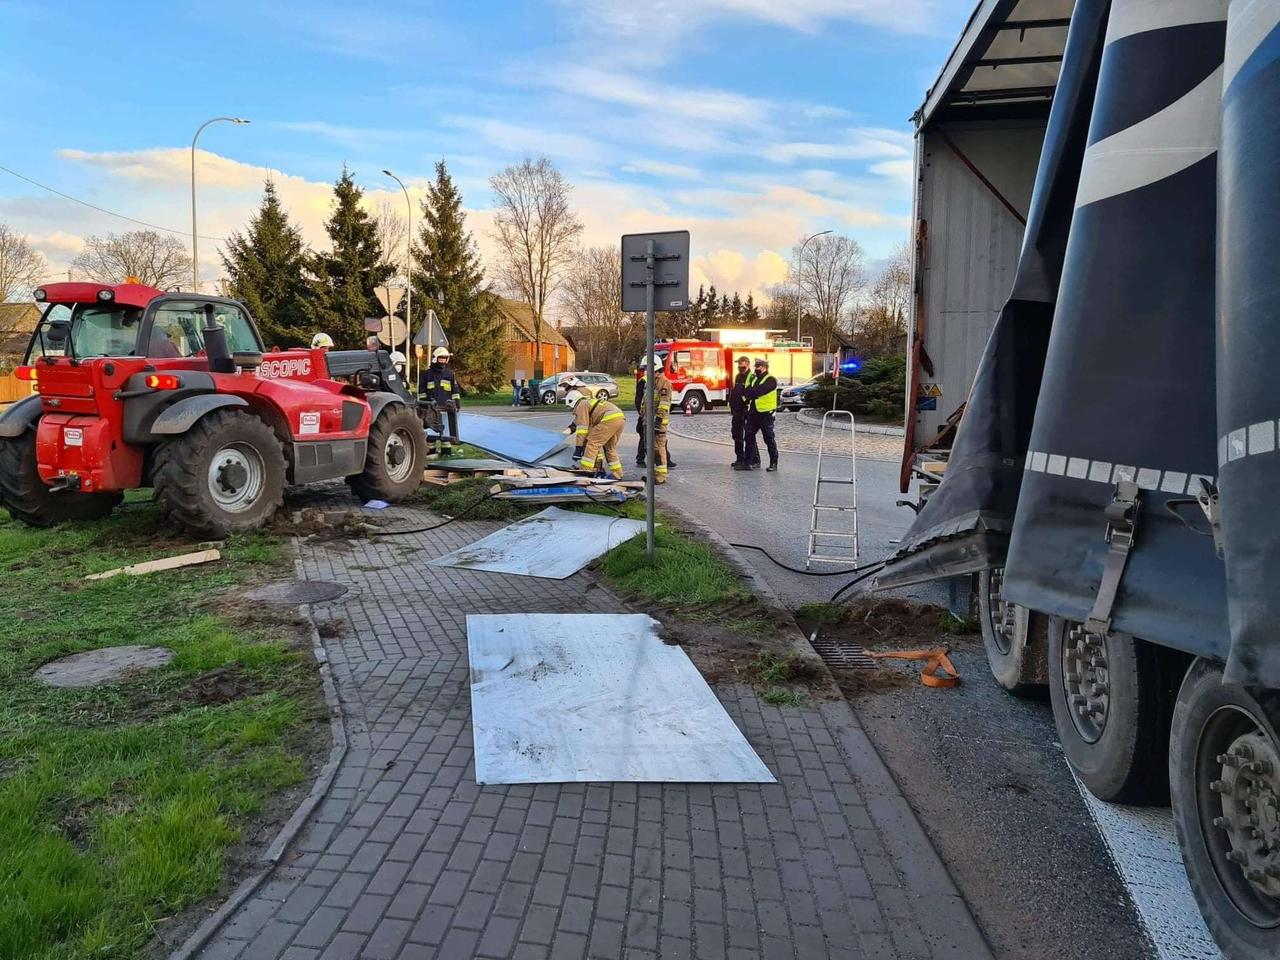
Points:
[[655, 276]]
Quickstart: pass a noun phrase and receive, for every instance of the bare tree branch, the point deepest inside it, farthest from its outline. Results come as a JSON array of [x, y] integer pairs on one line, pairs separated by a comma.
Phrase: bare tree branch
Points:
[[21, 266], [391, 228], [592, 298], [830, 273], [536, 232], [145, 255]]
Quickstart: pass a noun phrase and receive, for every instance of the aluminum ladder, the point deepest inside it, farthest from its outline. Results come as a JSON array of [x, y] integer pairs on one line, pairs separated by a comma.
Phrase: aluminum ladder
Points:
[[830, 544]]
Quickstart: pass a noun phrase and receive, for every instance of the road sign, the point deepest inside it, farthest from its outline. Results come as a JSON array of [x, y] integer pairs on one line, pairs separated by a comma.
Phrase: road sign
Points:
[[670, 270], [431, 334], [390, 297], [393, 332]]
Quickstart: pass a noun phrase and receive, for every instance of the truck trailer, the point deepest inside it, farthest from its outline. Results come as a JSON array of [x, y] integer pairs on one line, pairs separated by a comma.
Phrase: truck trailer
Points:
[[1109, 485]]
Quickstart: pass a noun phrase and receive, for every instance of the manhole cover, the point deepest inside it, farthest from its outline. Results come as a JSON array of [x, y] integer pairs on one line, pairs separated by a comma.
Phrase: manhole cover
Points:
[[107, 665], [294, 592], [842, 654]]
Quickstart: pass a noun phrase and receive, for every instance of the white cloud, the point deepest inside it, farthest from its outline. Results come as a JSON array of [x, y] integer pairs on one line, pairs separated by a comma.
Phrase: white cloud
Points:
[[517, 139], [856, 144], [659, 168]]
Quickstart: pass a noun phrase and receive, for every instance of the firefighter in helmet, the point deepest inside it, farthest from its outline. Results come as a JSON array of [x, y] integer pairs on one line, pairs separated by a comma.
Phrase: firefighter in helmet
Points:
[[661, 417], [597, 425], [438, 383], [322, 341]]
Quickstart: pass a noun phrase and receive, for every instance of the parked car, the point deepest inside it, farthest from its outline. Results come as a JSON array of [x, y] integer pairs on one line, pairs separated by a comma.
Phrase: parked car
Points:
[[598, 384], [792, 398]]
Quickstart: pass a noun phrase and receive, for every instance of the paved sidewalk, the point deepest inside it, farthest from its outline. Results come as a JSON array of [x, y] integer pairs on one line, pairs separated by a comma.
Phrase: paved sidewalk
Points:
[[409, 858]]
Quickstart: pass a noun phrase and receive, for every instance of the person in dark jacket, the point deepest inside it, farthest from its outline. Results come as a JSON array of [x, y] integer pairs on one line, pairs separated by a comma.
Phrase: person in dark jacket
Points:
[[738, 410], [438, 383], [641, 381], [762, 398]]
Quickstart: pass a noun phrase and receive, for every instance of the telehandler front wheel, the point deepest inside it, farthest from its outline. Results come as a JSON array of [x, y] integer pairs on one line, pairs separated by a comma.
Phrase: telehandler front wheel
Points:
[[225, 474], [29, 500], [395, 457]]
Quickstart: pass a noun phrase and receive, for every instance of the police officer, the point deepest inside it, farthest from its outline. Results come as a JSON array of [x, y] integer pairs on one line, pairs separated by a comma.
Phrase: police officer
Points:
[[641, 383], [738, 410], [762, 397], [438, 383], [597, 425]]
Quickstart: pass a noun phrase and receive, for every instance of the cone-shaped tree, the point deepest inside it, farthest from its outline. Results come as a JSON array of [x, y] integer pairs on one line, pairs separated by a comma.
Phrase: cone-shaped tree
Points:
[[448, 279], [265, 266], [343, 280]]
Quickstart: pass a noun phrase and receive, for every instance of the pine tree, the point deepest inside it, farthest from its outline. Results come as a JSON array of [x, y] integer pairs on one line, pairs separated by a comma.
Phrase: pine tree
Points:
[[711, 312], [265, 266], [344, 279], [751, 313], [724, 313], [448, 278], [735, 308]]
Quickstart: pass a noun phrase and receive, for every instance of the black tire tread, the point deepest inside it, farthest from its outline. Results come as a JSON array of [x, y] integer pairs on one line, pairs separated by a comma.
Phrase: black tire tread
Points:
[[179, 484], [27, 498], [372, 483], [1010, 670]]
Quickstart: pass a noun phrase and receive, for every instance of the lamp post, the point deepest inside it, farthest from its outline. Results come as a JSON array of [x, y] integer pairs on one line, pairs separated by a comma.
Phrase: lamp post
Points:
[[799, 288], [195, 243], [408, 284]]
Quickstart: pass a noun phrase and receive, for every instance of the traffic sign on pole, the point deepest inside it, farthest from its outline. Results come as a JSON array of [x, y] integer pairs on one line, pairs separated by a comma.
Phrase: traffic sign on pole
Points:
[[655, 276]]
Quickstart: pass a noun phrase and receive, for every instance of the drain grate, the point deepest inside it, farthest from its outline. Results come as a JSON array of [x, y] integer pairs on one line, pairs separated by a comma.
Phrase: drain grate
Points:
[[842, 654], [293, 592]]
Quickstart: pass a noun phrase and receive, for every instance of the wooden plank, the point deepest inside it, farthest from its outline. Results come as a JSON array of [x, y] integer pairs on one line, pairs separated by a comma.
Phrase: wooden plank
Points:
[[155, 566]]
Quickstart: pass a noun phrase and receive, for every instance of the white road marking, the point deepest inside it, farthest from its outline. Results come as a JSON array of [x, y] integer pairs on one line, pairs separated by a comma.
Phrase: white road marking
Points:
[[1144, 848]]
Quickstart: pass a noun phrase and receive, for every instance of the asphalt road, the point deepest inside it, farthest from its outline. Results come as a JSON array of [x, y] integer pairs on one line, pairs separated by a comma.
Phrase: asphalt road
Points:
[[982, 769]]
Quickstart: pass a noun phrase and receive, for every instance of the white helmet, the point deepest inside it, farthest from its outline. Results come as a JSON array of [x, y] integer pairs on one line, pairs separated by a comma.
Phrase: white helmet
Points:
[[440, 353], [572, 383], [398, 359], [322, 341], [573, 396]]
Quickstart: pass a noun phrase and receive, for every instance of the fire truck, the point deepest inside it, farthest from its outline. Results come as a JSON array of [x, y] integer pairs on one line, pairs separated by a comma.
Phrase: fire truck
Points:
[[701, 371]]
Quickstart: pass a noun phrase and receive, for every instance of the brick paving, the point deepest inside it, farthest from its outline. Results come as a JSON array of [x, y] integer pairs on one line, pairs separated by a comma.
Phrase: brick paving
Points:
[[408, 857]]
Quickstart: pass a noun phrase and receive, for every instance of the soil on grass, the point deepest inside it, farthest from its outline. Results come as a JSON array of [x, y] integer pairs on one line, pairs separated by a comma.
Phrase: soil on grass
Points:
[[884, 625]]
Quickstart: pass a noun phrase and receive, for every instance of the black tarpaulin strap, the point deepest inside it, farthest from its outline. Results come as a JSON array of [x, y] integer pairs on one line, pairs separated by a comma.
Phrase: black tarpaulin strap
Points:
[[1122, 522]]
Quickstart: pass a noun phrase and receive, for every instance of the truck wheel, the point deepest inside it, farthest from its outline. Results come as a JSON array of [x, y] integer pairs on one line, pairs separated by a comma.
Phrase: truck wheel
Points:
[[226, 473], [1014, 637], [396, 454], [1224, 771], [695, 402], [1112, 698], [30, 501]]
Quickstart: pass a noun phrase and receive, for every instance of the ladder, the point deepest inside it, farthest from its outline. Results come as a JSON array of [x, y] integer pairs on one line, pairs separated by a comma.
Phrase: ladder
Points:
[[836, 499]]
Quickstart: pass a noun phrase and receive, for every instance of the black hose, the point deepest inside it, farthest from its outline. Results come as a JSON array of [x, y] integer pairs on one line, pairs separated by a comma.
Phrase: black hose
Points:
[[874, 568], [436, 526], [803, 573]]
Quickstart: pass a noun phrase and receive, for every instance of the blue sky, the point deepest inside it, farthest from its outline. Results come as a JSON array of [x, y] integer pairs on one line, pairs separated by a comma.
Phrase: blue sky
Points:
[[750, 122]]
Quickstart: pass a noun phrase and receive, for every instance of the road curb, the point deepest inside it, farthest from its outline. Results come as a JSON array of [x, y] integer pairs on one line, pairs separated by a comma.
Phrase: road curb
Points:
[[813, 418], [950, 925], [271, 857]]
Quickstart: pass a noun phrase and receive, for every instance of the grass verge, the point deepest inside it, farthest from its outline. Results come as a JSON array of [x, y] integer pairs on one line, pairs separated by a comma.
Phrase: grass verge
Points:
[[120, 805]]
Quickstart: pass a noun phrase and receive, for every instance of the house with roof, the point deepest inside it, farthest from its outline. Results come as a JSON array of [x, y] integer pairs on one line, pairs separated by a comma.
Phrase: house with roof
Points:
[[557, 353], [17, 321]]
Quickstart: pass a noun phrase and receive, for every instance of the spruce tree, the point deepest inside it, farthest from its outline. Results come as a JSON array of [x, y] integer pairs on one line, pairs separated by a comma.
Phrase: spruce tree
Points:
[[751, 313], [735, 308], [448, 279], [724, 312], [265, 266], [711, 313], [344, 279]]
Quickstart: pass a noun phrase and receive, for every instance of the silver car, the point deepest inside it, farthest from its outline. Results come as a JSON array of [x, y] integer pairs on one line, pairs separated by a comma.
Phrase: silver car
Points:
[[596, 385]]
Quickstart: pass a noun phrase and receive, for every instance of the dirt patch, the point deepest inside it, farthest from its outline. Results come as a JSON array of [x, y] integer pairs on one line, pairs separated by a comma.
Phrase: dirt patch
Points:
[[326, 525], [882, 625], [332, 627]]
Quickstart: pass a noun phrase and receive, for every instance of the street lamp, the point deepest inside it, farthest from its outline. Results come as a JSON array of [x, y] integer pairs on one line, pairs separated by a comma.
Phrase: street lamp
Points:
[[408, 285], [195, 246], [799, 288]]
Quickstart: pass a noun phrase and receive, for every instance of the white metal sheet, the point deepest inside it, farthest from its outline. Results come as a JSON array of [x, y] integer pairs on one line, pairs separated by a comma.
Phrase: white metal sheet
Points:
[[559, 698], [553, 544]]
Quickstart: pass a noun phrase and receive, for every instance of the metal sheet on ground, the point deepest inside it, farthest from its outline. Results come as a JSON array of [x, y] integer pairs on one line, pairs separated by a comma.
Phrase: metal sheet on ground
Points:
[[559, 698], [552, 544], [507, 438]]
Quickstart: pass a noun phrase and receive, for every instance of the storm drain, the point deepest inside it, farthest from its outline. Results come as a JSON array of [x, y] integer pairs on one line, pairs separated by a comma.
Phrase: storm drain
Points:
[[842, 654], [294, 592]]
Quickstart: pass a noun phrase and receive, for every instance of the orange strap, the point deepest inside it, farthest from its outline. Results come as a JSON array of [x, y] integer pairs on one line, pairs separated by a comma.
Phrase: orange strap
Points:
[[936, 660]]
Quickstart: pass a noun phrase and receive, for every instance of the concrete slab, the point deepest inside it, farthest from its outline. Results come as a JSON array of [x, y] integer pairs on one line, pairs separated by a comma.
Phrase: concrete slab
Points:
[[94, 668]]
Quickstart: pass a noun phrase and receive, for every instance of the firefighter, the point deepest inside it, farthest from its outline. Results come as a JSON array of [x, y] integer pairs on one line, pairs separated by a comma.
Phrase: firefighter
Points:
[[597, 425], [322, 341], [738, 410], [641, 383], [438, 383], [762, 400]]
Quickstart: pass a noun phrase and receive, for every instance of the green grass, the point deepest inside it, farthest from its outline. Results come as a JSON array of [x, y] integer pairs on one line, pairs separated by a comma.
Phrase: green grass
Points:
[[451, 500], [686, 572], [118, 803], [781, 697], [767, 667], [821, 613]]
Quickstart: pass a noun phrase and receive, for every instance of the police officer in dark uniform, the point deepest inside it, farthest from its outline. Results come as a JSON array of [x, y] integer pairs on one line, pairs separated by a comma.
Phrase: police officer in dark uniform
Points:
[[738, 408]]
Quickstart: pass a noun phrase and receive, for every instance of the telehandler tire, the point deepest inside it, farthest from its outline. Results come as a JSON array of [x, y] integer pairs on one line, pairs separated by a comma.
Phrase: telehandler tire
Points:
[[225, 474], [395, 456], [29, 500]]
